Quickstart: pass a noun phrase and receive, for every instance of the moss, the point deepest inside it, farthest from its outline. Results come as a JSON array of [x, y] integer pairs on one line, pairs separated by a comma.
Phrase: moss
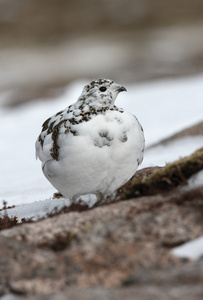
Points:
[[164, 179], [6, 221]]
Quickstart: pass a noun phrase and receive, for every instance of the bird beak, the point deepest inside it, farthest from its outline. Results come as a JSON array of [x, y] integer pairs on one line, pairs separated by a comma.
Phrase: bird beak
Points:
[[121, 89]]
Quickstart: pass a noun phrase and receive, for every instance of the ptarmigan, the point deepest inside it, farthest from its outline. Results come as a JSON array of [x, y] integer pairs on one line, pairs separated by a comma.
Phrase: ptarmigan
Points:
[[93, 146]]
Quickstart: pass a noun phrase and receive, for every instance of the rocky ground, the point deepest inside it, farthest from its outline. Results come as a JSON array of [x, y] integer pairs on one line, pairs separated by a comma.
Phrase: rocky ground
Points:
[[119, 250]]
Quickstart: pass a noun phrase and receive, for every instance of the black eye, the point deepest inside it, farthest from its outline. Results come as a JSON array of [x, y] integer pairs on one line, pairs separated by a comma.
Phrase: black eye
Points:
[[102, 89]]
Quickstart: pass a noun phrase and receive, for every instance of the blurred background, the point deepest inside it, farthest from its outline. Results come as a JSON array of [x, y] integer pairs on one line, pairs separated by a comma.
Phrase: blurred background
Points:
[[46, 44]]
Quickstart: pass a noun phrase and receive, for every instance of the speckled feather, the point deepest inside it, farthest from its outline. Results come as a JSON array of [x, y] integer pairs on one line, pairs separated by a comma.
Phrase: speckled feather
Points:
[[92, 146]]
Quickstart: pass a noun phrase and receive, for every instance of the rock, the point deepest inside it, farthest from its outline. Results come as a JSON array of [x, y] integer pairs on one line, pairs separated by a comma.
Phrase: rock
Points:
[[118, 246], [121, 250]]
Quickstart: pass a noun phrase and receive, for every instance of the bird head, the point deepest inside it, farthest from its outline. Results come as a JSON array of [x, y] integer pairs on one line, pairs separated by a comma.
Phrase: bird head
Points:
[[101, 93]]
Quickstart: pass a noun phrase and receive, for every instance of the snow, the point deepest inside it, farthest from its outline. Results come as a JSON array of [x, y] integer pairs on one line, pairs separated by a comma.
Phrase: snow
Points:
[[165, 107], [195, 181], [37, 210], [162, 107], [162, 154], [192, 249]]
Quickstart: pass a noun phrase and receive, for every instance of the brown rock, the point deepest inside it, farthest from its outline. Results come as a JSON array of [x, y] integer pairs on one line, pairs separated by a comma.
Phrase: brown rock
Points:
[[116, 247], [119, 250]]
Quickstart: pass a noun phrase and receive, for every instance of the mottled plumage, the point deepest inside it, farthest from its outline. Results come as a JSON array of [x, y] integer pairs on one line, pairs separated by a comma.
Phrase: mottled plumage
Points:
[[92, 146]]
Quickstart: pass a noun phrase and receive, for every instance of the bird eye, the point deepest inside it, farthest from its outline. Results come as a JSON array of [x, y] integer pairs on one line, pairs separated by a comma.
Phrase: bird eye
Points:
[[102, 89]]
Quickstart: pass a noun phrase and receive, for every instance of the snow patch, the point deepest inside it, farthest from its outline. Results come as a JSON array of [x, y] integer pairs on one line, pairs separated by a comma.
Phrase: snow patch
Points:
[[195, 181], [192, 249]]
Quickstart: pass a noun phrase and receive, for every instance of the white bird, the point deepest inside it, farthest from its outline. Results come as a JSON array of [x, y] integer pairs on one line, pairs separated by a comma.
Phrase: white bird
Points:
[[92, 146]]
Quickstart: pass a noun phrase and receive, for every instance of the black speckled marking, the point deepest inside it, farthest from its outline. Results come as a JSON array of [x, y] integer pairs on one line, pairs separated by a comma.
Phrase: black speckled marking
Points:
[[60, 112], [123, 137], [41, 140], [55, 133], [105, 135], [50, 128], [55, 151], [74, 132], [69, 124], [96, 83], [45, 124], [115, 108]]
